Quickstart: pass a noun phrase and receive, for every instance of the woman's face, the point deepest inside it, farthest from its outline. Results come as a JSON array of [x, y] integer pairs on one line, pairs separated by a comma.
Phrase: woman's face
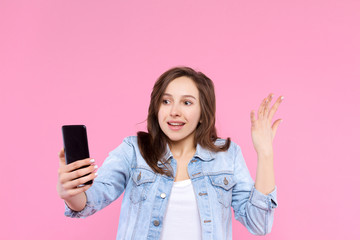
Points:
[[180, 111]]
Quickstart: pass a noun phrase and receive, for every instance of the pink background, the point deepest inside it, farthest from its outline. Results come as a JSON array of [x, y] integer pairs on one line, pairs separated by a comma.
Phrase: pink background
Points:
[[95, 62]]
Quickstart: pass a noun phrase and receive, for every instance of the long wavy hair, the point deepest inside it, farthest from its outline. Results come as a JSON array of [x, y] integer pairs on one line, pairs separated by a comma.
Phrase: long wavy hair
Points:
[[152, 144]]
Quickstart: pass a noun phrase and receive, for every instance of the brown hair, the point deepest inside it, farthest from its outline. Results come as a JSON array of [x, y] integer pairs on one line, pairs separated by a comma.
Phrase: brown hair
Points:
[[153, 144]]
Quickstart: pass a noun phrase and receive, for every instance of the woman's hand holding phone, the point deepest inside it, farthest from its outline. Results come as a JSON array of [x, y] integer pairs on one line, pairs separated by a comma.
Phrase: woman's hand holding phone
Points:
[[71, 180]]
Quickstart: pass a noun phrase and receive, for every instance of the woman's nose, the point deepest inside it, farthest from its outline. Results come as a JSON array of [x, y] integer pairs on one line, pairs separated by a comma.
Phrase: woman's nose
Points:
[[175, 111]]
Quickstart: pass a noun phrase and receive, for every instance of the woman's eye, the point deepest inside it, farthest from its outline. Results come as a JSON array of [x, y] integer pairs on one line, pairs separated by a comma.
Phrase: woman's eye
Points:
[[188, 103], [165, 101]]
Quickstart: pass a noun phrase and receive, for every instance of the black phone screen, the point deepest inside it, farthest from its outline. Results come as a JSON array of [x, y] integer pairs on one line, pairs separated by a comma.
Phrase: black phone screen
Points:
[[75, 143]]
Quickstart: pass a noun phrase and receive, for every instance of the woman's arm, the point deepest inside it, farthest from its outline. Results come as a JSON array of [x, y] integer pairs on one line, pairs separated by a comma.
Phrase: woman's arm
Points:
[[110, 183], [265, 178], [252, 208], [254, 204], [263, 133]]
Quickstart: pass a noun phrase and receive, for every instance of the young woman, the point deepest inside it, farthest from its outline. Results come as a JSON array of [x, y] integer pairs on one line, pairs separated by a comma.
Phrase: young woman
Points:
[[180, 179]]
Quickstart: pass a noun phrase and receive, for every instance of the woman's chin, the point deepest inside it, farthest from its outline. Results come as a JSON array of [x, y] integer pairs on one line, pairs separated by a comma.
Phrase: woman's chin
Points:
[[179, 139]]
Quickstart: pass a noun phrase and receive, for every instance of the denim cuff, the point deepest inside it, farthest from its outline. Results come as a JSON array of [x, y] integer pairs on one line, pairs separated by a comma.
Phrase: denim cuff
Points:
[[260, 200], [88, 209]]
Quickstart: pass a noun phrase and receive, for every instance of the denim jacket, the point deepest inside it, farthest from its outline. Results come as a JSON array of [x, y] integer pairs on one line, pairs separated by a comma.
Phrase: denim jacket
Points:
[[220, 181]]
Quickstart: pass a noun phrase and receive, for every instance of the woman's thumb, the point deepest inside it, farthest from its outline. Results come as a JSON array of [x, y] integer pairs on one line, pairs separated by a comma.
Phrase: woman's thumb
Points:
[[275, 127], [62, 157]]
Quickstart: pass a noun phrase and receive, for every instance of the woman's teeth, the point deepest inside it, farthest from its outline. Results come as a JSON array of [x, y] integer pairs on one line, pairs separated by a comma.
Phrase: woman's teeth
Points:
[[176, 124]]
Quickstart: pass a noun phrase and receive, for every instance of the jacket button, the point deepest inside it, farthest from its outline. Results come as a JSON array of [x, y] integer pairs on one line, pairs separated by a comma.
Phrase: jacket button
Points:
[[163, 195], [226, 181], [156, 223], [139, 176]]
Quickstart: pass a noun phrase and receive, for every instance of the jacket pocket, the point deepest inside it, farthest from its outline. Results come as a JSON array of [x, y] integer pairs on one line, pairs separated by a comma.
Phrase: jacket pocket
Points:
[[142, 179], [223, 184]]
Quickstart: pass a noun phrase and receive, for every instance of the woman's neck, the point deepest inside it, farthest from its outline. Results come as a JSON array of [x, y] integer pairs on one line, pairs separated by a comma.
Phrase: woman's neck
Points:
[[182, 149]]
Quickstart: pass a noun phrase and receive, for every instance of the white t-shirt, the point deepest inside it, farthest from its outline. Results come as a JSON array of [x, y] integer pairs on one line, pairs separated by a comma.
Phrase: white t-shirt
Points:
[[182, 219]]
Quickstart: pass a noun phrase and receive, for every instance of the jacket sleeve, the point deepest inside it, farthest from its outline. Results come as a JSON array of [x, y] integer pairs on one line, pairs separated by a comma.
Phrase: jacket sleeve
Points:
[[110, 183], [252, 208]]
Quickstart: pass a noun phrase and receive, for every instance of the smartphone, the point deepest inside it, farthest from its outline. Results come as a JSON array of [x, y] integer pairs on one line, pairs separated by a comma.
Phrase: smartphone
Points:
[[76, 145]]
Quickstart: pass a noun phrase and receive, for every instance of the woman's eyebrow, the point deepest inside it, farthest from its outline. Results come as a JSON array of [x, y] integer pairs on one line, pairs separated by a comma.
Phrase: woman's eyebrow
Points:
[[184, 96]]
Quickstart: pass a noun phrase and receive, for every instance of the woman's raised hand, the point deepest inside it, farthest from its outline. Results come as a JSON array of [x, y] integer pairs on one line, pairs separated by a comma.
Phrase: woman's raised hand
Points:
[[262, 132], [71, 178]]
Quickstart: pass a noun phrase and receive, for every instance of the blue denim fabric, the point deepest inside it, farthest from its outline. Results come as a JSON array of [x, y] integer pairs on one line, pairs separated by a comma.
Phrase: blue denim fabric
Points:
[[220, 180]]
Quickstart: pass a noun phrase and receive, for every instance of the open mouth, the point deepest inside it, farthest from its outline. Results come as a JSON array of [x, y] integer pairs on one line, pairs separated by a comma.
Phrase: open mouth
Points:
[[175, 126], [176, 123]]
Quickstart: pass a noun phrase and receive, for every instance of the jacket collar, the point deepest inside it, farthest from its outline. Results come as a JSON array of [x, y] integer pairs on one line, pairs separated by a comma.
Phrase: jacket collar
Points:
[[202, 153]]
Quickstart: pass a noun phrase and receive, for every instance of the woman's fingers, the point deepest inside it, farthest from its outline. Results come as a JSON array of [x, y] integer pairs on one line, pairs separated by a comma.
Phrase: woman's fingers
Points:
[[275, 107], [261, 109], [75, 165], [78, 164], [264, 110], [76, 182], [69, 176], [73, 176], [267, 104], [64, 168], [252, 118], [76, 191], [264, 106], [68, 173]]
